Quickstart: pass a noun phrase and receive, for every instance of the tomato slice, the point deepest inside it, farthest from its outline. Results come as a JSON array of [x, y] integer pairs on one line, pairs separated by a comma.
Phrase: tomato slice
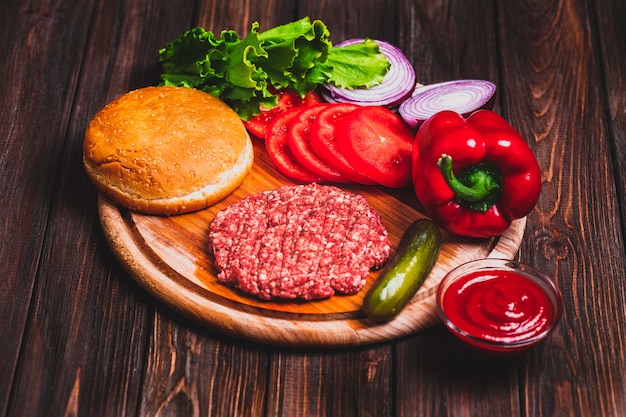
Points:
[[277, 145], [311, 98], [300, 145], [287, 99], [257, 125], [324, 143], [378, 143]]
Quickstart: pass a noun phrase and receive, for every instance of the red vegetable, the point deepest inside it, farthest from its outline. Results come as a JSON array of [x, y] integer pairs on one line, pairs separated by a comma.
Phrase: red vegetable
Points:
[[287, 99], [474, 176], [311, 98], [300, 145], [378, 143], [461, 96], [277, 144], [397, 85], [324, 143]]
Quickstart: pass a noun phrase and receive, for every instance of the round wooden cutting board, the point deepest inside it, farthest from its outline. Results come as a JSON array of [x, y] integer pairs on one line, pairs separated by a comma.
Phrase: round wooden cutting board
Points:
[[169, 258]]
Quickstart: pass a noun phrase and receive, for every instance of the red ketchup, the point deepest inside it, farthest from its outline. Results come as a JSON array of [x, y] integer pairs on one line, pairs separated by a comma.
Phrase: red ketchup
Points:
[[499, 309]]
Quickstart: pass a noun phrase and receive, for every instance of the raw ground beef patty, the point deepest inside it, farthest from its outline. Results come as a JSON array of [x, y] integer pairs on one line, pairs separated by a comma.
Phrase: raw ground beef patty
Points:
[[304, 241]]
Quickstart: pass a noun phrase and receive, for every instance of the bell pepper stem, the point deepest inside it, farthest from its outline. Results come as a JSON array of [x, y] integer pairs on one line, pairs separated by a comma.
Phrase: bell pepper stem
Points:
[[479, 183]]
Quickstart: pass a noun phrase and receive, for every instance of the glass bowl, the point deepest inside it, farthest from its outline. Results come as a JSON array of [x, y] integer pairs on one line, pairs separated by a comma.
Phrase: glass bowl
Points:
[[499, 307]]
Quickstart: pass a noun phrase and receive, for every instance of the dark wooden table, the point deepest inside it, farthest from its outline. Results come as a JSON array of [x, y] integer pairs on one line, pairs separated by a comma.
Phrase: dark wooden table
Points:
[[80, 338]]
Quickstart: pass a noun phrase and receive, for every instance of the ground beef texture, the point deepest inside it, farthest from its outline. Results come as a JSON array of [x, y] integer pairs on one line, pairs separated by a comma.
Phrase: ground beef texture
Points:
[[298, 242]]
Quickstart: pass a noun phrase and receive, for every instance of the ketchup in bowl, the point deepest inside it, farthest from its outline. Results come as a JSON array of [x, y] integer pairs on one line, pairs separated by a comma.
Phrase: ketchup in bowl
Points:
[[499, 306]]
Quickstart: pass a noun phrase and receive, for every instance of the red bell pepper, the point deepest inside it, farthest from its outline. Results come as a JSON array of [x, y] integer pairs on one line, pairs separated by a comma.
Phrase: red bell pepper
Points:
[[474, 176]]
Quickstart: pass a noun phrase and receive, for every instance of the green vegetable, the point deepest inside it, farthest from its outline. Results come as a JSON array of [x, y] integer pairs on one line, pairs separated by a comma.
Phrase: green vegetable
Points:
[[405, 273], [245, 73]]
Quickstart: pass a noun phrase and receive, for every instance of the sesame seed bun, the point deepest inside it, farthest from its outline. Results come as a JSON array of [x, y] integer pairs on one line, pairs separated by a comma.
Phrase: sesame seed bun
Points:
[[167, 150]]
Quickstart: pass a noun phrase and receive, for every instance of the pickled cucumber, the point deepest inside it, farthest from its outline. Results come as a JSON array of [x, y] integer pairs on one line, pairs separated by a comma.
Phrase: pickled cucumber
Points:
[[405, 272]]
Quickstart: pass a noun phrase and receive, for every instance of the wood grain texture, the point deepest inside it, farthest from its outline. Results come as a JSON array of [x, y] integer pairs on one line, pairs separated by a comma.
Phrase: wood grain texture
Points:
[[80, 352], [452, 379], [191, 373], [35, 109], [81, 338], [552, 98], [311, 383], [611, 16]]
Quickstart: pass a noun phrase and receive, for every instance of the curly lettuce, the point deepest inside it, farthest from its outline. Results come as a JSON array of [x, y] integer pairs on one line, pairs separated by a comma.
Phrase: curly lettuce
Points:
[[245, 73]]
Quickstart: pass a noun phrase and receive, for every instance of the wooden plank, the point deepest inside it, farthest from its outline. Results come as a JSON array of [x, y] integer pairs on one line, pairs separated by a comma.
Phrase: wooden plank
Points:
[[35, 110], [343, 383], [609, 26], [438, 376], [550, 70], [450, 40], [354, 19], [238, 15], [611, 16], [84, 347], [191, 372]]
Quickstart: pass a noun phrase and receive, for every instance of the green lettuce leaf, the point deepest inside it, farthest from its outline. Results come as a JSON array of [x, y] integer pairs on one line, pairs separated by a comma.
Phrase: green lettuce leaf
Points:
[[357, 65], [246, 72]]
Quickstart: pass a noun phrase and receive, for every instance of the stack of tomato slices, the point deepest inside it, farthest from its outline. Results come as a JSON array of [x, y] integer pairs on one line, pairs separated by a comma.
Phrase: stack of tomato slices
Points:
[[313, 141]]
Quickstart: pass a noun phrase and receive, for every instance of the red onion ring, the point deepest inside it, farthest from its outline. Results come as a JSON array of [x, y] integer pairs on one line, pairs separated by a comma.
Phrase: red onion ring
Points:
[[461, 96], [397, 85]]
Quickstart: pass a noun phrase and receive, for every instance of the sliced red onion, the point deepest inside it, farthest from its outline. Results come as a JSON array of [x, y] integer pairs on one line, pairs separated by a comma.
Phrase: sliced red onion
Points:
[[397, 85], [461, 96]]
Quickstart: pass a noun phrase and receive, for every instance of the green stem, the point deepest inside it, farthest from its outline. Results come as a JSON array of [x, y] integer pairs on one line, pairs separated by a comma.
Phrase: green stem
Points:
[[478, 187]]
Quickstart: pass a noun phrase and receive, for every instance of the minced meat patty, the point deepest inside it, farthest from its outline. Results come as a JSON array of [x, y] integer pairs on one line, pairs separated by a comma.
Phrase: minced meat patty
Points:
[[304, 241]]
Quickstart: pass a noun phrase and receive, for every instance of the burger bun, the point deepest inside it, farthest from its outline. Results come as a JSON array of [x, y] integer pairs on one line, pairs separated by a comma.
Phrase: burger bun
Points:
[[167, 150]]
